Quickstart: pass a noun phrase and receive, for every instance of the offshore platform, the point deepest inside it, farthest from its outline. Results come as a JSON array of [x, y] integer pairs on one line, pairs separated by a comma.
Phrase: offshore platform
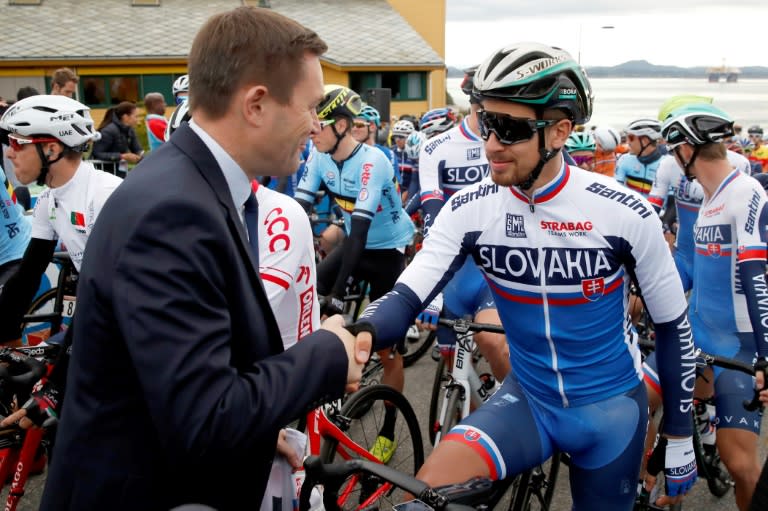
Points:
[[730, 74]]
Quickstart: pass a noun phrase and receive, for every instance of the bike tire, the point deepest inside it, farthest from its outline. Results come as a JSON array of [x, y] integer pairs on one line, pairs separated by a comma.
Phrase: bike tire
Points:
[[454, 406], [415, 349], [534, 489], [43, 304], [435, 400], [363, 430]]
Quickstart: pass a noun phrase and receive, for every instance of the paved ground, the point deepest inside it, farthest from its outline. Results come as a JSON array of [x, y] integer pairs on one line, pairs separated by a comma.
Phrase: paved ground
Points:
[[418, 387]]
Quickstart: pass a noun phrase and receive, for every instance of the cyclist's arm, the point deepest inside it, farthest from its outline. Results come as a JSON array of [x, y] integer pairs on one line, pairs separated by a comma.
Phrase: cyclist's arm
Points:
[[413, 202], [751, 221], [650, 261], [20, 289], [432, 196], [661, 185], [309, 182], [621, 172]]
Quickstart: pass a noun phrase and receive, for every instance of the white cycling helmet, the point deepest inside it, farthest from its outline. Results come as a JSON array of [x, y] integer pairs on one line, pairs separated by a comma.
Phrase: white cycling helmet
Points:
[[608, 138], [59, 117], [180, 115], [402, 128], [413, 144], [181, 84], [650, 128]]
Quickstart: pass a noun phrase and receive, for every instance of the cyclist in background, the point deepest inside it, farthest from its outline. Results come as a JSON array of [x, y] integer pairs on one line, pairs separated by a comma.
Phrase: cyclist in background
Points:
[[412, 193], [365, 128], [15, 229], [359, 179], [558, 246], [727, 298], [181, 89], [759, 151], [449, 162], [400, 132], [606, 141], [581, 147], [637, 170], [47, 136]]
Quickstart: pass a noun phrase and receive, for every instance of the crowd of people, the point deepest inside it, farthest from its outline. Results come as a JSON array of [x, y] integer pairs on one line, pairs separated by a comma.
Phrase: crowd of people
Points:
[[207, 320]]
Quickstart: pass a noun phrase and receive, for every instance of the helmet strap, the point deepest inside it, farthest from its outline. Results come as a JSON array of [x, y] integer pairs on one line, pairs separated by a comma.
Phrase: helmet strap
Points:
[[643, 146], [339, 138], [45, 164], [544, 156], [688, 164]]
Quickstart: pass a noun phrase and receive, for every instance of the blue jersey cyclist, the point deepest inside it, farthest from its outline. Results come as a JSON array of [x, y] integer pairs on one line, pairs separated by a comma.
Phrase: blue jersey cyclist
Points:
[[15, 231], [559, 247], [365, 129], [637, 170], [361, 181]]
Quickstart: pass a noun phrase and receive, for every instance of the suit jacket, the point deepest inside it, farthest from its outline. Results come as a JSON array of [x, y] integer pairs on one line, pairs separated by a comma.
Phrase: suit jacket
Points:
[[178, 383]]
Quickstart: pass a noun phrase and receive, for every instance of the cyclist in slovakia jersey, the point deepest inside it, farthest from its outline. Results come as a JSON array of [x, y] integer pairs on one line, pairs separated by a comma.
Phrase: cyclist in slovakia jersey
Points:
[[412, 191], [47, 136], [15, 231], [360, 180], [558, 246], [448, 163], [287, 264], [403, 164], [727, 304], [637, 170]]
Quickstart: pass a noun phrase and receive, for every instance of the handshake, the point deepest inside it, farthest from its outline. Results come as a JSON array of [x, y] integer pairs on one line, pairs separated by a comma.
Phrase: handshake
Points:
[[358, 342]]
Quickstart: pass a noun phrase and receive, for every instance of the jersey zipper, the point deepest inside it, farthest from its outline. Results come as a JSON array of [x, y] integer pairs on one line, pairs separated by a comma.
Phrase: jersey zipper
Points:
[[548, 334]]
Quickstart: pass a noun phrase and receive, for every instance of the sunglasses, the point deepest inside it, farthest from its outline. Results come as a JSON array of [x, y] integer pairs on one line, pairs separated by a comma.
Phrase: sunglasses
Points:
[[583, 159], [509, 130], [17, 144], [360, 124], [327, 122]]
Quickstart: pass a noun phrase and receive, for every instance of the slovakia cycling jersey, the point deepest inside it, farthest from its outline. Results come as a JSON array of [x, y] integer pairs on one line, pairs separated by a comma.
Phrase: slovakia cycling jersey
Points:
[[68, 213], [16, 228], [405, 167], [636, 175], [287, 264], [447, 163], [729, 288], [362, 186], [559, 268]]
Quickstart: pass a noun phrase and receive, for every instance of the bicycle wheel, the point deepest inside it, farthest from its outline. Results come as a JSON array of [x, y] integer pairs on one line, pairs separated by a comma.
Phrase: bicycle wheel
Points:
[[436, 400], [363, 430], [711, 468], [415, 348], [453, 409], [534, 489], [32, 332]]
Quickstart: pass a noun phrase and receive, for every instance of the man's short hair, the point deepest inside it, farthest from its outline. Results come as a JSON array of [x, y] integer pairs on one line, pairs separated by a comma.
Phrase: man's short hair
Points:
[[712, 152], [247, 45], [62, 76], [26, 92], [152, 100]]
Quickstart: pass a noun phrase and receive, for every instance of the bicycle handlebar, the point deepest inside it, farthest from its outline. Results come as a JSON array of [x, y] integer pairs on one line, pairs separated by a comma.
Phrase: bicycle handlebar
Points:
[[733, 364], [332, 476], [35, 369], [462, 326]]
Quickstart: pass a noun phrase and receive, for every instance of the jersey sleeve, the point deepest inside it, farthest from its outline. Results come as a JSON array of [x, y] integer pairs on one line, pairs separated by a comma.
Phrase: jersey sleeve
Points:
[[621, 171], [41, 225], [431, 188], [662, 183], [310, 179]]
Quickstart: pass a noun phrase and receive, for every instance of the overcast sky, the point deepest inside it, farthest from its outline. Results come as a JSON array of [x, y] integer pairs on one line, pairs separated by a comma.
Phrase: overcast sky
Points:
[[692, 33]]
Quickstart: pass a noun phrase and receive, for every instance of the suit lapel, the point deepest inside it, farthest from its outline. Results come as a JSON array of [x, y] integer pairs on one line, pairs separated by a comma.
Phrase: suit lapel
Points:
[[188, 142]]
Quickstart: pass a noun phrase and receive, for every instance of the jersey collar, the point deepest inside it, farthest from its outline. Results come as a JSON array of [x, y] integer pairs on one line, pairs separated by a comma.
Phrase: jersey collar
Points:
[[548, 191], [728, 180], [467, 132]]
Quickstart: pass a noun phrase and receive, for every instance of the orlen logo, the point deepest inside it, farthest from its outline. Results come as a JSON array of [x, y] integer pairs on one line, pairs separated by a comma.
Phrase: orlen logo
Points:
[[566, 226], [306, 301], [366, 173]]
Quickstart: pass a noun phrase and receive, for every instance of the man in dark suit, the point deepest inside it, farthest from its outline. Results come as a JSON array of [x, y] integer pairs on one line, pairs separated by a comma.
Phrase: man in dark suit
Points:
[[178, 383]]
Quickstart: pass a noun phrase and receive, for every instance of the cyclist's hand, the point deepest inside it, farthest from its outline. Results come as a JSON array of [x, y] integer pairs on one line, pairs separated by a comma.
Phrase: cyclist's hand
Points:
[[760, 382], [42, 408], [358, 349], [679, 462], [427, 319]]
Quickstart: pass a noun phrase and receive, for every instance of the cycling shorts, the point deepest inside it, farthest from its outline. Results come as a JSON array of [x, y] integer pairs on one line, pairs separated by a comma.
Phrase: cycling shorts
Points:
[[466, 294], [731, 387], [513, 432]]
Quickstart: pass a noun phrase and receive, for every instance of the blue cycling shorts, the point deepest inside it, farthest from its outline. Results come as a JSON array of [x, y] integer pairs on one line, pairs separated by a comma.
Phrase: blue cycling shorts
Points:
[[514, 432]]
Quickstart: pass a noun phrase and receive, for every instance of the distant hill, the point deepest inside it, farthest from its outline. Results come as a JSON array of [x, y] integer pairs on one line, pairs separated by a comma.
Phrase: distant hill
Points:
[[644, 69]]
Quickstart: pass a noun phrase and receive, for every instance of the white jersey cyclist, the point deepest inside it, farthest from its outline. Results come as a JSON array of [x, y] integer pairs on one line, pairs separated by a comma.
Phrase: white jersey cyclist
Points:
[[448, 163], [688, 196], [287, 264], [563, 261], [68, 213]]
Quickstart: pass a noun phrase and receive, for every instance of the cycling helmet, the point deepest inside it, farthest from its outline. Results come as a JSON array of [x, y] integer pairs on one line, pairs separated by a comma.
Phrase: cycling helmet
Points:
[[181, 84], [467, 84], [697, 124], [650, 128], [339, 101], [402, 129], [370, 114], [608, 138], [755, 130], [58, 117], [580, 141], [413, 144], [437, 121], [541, 76], [180, 115], [676, 102]]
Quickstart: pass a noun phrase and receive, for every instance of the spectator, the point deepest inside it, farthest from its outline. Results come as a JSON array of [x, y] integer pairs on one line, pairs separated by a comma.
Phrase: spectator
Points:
[[119, 144], [156, 415], [64, 82], [154, 104], [25, 92]]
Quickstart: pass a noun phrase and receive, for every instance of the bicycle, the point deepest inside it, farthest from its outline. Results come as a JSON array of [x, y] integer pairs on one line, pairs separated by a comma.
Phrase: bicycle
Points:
[[52, 310], [22, 452], [349, 432]]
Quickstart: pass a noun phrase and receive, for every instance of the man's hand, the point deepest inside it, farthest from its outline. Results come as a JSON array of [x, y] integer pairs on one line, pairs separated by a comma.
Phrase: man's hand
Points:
[[427, 319], [42, 408], [286, 451], [677, 457], [358, 349], [760, 385]]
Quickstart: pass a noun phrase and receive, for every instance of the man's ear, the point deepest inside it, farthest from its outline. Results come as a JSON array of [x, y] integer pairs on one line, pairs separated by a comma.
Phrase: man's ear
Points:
[[256, 104], [559, 133]]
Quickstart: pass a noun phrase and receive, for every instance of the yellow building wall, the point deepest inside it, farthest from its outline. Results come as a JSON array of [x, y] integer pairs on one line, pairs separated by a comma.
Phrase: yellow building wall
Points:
[[427, 17], [335, 76]]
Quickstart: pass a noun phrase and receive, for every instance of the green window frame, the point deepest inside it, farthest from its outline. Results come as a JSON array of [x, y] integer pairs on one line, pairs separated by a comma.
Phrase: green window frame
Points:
[[405, 85], [104, 91]]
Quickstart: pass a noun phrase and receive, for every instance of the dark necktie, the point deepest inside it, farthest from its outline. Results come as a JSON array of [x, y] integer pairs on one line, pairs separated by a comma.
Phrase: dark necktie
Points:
[[251, 215]]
